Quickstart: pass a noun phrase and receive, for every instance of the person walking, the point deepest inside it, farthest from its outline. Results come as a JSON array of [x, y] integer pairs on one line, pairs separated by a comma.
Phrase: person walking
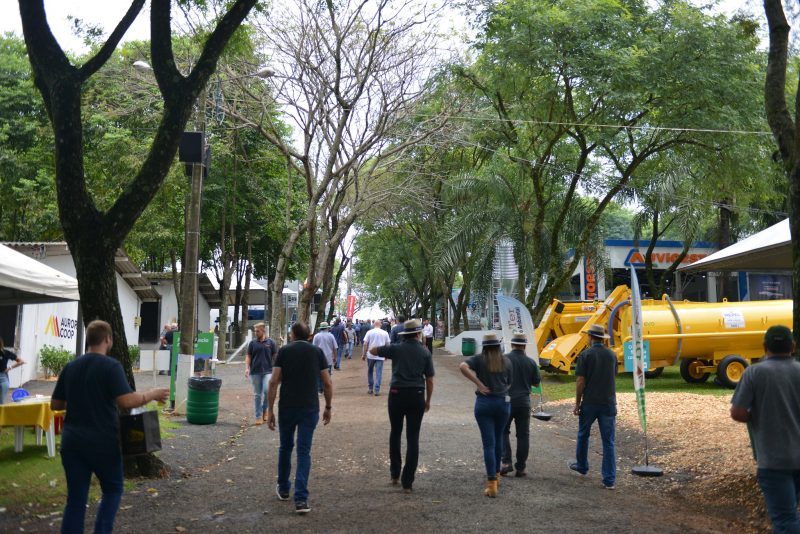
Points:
[[297, 369], [410, 395], [258, 367], [351, 339], [768, 400], [427, 332], [338, 332], [524, 374], [357, 332], [376, 337], [394, 333], [6, 359], [91, 388], [490, 371], [327, 343], [596, 400]]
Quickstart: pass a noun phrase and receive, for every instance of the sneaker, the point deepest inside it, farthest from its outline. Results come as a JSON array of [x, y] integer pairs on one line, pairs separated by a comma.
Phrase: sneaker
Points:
[[407, 490], [574, 467], [505, 469], [377, 393], [369, 392], [395, 482], [282, 495], [520, 473], [609, 487], [302, 508]]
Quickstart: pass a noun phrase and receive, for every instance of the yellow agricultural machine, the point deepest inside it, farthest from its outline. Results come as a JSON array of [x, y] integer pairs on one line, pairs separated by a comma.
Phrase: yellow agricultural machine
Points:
[[705, 337]]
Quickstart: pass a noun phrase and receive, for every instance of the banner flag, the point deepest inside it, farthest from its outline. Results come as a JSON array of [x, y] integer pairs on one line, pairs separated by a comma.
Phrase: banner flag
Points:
[[515, 316], [637, 342], [351, 306]]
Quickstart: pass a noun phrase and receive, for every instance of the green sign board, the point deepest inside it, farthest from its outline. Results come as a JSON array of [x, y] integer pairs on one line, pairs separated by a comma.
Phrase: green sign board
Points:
[[203, 350], [628, 349]]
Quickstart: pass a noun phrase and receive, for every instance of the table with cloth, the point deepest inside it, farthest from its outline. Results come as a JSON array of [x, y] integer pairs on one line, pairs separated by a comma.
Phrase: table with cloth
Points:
[[33, 411]]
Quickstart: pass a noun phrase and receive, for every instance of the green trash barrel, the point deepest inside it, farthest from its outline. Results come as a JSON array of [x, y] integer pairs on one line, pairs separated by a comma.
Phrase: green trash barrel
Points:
[[467, 346], [202, 404]]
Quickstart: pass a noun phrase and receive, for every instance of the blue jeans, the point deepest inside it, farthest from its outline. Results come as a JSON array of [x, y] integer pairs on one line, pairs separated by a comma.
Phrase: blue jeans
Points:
[[340, 350], [605, 415], [260, 390], [377, 366], [304, 420], [4, 385], [78, 468], [781, 489], [491, 413]]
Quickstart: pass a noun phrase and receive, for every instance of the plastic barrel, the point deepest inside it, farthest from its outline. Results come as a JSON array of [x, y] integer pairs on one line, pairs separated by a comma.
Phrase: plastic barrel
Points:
[[202, 403], [468, 346]]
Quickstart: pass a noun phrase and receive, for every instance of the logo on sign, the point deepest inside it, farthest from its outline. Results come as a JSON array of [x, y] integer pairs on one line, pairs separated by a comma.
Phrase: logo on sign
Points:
[[64, 328], [634, 258], [590, 280]]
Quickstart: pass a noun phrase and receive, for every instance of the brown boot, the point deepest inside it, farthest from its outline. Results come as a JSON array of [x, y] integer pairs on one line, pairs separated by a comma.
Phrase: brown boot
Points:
[[498, 478], [491, 488]]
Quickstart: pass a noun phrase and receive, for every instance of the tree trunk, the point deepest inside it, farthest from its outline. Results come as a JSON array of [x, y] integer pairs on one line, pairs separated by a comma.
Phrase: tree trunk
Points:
[[224, 291], [725, 289], [248, 274]]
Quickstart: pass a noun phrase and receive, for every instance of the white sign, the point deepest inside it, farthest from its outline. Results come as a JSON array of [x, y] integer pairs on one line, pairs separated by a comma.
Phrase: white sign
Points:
[[733, 318]]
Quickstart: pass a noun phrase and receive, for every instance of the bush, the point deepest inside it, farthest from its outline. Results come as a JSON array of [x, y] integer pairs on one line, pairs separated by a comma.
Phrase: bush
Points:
[[134, 352], [54, 359]]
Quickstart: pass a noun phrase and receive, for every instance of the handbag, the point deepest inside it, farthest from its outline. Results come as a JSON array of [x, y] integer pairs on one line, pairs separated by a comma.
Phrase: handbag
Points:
[[140, 433]]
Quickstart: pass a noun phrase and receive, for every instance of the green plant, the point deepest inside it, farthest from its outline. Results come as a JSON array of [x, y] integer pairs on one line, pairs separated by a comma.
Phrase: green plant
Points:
[[134, 351], [54, 359]]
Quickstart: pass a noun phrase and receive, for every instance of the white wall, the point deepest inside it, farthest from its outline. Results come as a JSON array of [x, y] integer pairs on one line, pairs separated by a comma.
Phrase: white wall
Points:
[[169, 304], [130, 306], [36, 331]]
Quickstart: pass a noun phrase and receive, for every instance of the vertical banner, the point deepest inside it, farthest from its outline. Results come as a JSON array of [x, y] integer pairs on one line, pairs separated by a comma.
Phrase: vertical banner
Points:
[[637, 345], [351, 306], [515, 316]]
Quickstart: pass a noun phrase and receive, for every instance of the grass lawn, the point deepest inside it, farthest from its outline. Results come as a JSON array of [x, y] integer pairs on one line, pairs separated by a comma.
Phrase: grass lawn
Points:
[[34, 482], [557, 387]]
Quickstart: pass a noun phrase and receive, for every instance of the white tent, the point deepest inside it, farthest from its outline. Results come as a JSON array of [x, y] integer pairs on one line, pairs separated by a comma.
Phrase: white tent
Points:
[[23, 280], [768, 250]]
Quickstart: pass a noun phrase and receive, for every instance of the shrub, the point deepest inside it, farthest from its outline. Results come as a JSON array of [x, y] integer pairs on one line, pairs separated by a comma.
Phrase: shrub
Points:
[[54, 359], [134, 352]]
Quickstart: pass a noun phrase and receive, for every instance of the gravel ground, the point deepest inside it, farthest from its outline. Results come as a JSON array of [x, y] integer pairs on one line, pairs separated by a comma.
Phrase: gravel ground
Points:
[[223, 475]]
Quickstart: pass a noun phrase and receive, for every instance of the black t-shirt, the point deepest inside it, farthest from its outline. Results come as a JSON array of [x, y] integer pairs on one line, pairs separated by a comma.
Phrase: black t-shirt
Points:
[[90, 384], [6, 357], [524, 373], [499, 383], [169, 336], [411, 363], [261, 356], [300, 363], [598, 365]]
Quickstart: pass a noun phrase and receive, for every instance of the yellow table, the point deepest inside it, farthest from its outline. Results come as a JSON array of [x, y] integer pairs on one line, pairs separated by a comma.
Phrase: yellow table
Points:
[[31, 412]]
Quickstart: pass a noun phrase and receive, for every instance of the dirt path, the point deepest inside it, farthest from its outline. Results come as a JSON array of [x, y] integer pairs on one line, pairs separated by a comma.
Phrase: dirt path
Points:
[[223, 476]]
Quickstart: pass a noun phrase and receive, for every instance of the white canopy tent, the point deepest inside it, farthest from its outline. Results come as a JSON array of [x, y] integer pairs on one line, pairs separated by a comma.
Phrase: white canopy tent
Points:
[[768, 250], [23, 280]]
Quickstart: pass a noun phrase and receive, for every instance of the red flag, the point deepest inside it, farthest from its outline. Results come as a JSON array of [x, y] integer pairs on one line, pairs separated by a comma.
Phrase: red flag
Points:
[[351, 305]]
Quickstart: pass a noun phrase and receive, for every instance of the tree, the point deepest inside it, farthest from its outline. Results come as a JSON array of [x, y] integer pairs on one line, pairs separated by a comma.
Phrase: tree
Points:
[[94, 235], [783, 124]]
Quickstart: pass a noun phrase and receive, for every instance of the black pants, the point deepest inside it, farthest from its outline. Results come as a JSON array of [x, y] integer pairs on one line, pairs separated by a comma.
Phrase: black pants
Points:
[[408, 404], [521, 416], [429, 344]]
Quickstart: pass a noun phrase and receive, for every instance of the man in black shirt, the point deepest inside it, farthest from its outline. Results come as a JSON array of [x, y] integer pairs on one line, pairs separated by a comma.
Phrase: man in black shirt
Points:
[[525, 373], [90, 388], [6, 359], [409, 398], [297, 369], [596, 400]]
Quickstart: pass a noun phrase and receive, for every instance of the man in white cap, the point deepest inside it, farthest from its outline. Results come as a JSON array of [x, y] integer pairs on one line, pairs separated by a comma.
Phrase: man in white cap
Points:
[[596, 400], [524, 374]]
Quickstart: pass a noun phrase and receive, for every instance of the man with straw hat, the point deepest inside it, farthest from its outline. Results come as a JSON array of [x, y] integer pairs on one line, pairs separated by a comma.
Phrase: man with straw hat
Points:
[[409, 398], [596, 400], [524, 374]]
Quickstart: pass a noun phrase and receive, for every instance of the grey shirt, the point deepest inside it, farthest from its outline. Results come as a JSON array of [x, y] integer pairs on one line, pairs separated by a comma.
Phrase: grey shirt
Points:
[[524, 373], [598, 366], [769, 390], [499, 383]]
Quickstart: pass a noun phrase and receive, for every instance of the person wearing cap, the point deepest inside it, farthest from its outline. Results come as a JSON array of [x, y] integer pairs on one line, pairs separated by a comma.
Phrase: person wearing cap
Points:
[[325, 341], [410, 393], [524, 374], [490, 371], [376, 337], [596, 400], [768, 400]]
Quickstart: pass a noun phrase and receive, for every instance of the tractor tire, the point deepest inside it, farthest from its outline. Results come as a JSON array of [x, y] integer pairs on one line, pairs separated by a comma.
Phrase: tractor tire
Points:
[[730, 370], [654, 373], [690, 373]]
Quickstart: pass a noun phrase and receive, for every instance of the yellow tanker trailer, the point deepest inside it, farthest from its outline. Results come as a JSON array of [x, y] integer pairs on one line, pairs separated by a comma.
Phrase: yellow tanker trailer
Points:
[[720, 337]]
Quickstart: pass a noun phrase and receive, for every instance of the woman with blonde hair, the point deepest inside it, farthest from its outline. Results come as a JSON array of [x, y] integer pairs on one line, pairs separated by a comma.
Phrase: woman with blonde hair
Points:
[[490, 371]]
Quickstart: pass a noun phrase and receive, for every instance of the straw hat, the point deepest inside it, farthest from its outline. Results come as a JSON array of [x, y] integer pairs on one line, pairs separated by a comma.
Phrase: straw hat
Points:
[[411, 327], [491, 340], [324, 325], [597, 330], [519, 338]]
